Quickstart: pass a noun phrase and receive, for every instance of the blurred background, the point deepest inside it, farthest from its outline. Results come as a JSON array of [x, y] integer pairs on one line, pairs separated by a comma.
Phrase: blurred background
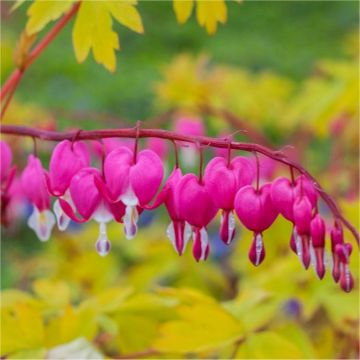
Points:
[[286, 73]]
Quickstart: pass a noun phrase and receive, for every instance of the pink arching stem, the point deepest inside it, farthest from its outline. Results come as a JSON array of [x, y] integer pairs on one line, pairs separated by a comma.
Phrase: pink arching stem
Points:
[[173, 136]]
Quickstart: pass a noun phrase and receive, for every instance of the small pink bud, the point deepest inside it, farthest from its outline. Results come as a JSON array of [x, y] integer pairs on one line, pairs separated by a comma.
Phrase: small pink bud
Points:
[[346, 280], [317, 231], [337, 237]]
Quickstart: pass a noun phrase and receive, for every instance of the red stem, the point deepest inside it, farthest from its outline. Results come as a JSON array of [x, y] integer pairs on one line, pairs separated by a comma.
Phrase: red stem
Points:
[[14, 79], [173, 136]]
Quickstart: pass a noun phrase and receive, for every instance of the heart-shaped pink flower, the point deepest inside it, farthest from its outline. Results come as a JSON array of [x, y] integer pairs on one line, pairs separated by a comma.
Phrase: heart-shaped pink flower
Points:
[[34, 188], [284, 193], [134, 181], [90, 204], [198, 209], [66, 160], [257, 212], [222, 181], [5, 163]]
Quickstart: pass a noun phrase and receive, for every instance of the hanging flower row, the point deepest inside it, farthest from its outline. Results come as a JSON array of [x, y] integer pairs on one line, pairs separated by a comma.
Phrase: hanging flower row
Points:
[[129, 182]]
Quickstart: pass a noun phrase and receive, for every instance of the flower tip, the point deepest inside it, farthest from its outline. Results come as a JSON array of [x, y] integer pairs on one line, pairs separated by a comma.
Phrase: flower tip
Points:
[[257, 250]]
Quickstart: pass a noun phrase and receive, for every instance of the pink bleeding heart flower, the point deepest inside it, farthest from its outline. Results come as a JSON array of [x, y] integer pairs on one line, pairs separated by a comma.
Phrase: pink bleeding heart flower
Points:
[[317, 231], [34, 187], [179, 231], [66, 160], [134, 181], [302, 211], [283, 194], [257, 212], [198, 209], [90, 204], [7, 175], [337, 237], [6, 160], [343, 251], [222, 181]]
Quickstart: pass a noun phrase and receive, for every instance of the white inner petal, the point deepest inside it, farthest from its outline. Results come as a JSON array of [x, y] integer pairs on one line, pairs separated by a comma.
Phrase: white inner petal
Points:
[[298, 244], [102, 214], [258, 248], [62, 219], [129, 198], [130, 220], [187, 234], [312, 256], [170, 232], [204, 242], [42, 223]]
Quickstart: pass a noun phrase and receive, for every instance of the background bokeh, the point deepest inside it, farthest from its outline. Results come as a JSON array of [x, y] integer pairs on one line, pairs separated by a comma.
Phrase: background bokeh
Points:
[[289, 73]]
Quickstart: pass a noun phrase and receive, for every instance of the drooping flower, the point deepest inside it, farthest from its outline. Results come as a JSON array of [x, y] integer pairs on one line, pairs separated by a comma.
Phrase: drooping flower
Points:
[[134, 180], [5, 163], [178, 231], [284, 193], [337, 238], [66, 160], [198, 209], [317, 245], [7, 174], [222, 181], [343, 252], [302, 211], [90, 204], [257, 212], [34, 187]]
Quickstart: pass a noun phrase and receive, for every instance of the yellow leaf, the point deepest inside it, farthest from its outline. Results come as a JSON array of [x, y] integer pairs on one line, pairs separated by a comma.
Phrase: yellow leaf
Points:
[[183, 10], [268, 345], [73, 323], [201, 327], [93, 30], [54, 293], [209, 13], [42, 12], [22, 328], [126, 14]]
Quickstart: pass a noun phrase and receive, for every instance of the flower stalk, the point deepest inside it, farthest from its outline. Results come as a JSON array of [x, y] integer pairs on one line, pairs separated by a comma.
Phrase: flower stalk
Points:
[[174, 136]]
